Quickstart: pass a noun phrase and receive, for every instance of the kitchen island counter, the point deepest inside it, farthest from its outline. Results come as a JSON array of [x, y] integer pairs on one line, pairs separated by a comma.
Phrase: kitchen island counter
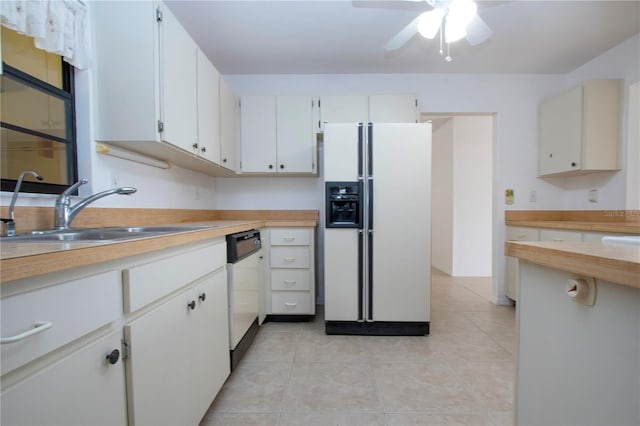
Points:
[[619, 263]]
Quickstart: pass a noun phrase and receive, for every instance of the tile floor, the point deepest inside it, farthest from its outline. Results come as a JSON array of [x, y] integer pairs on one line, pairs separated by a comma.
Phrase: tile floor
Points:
[[461, 374]]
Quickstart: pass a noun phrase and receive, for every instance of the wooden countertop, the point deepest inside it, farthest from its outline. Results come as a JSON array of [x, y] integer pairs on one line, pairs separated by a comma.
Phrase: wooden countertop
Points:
[[24, 260], [617, 263], [612, 221]]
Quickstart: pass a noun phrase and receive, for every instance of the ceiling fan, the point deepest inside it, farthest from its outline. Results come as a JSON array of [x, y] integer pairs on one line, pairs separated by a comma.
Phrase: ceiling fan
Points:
[[452, 19]]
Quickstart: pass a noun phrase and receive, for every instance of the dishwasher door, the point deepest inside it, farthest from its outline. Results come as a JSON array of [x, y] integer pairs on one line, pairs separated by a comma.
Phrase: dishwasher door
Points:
[[244, 299]]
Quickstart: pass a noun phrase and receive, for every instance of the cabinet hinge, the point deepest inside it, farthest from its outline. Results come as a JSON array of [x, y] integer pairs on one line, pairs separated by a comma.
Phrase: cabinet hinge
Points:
[[160, 126], [125, 350], [158, 14]]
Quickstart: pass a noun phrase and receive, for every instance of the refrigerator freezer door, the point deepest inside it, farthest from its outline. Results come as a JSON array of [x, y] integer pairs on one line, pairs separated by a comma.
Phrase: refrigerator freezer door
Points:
[[401, 249], [341, 156]]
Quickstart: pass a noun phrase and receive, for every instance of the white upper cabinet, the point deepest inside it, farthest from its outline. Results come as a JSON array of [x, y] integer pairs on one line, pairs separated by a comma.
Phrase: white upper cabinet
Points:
[[208, 142], [579, 130], [156, 93], [229, 126], [393, 109], [258, 134], [344, 109], [278, 134], [179, 106], [363, 108]]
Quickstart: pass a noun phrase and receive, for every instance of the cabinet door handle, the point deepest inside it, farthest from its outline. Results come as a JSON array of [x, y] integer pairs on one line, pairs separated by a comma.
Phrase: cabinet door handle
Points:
[[224, 160], [39, 328], [113, 357], [282, 166], [191, 305], [202, 297], [270, 166], [289, 259]]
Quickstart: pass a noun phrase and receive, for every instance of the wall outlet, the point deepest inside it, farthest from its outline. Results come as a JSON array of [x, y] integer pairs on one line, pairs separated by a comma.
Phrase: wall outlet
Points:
[[593, 195], [113, 181], [533, 196]]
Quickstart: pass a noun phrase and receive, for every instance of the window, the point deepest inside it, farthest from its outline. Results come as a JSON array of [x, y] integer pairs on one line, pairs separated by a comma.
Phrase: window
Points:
[[37, 119]]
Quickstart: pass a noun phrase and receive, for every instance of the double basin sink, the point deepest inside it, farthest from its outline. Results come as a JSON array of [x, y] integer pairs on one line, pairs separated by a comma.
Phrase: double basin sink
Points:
[[102, 234]]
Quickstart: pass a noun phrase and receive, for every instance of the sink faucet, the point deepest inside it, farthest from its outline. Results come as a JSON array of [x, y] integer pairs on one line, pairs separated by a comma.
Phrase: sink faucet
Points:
[[64, 213], [10, 222]]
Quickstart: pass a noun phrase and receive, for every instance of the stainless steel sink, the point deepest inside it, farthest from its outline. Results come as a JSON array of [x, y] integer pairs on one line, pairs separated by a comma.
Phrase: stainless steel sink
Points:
[[102, 234]]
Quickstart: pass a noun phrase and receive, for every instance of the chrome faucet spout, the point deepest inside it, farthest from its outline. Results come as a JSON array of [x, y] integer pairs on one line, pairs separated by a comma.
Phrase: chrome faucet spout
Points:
[[10, 222], [65, 213]]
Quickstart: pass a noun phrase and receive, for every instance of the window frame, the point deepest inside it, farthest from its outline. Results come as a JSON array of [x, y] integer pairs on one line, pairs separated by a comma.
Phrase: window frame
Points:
[[67, 93]]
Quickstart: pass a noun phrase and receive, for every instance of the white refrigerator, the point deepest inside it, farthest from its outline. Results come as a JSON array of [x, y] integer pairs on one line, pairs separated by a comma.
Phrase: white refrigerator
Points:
[[377, 236]]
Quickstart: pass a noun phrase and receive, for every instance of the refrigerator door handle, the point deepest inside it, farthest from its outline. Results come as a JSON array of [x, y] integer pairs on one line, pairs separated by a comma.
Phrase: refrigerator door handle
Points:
[[360, 276], [370, 276], [360, 151]]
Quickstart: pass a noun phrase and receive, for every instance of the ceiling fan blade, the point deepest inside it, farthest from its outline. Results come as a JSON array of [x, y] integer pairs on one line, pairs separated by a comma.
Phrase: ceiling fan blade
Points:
[[478, 31], [404, 35]]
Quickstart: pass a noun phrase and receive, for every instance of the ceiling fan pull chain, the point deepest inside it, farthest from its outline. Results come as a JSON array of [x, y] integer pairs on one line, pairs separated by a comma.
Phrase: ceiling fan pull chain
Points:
[[441, 49], [448, 58]]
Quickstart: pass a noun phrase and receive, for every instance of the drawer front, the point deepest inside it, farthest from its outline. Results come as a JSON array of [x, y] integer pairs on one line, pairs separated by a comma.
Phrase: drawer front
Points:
[[289, 257], [290, 237], [73, 308], [559, 235], [521, 233], [290, 279], [149, 282], [291, 302]]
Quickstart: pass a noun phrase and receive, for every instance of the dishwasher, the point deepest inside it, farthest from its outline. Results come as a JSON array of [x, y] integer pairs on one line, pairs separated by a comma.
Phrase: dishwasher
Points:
[[243, 260]]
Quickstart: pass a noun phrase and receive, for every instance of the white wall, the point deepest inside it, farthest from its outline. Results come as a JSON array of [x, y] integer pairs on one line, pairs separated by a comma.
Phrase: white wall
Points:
[[472, 195], [461, 236], [442, 197]]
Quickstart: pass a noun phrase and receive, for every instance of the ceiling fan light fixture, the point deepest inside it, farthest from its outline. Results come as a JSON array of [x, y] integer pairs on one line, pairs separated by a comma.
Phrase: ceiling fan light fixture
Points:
[[454, 30], [462, 11], [430, 23]]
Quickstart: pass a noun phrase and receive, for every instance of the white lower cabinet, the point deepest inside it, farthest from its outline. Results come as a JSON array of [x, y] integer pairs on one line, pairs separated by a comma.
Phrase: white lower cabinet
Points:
[[517, 233], [179, 355], [290, 288], [142, 341], [83, 388]]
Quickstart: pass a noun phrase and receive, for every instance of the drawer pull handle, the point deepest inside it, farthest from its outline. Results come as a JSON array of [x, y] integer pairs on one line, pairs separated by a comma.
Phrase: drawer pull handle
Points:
[[289, 238], [290, 305], [39, 327], [290, 283], [289, 259], [557, 239], [520, 236]]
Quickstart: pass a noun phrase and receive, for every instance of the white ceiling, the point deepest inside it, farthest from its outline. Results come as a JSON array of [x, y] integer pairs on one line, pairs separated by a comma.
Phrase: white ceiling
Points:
[[341, 36]]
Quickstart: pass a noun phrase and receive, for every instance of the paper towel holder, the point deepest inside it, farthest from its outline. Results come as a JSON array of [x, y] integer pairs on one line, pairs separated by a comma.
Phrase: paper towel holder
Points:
[[582, 290]]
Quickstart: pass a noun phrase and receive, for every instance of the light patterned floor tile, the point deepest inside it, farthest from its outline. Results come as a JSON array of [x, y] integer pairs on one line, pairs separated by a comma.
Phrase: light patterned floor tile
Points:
[[332, 419], [430, 419]]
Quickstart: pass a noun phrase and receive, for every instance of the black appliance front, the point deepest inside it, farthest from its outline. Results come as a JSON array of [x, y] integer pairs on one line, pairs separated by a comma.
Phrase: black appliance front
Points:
[[343, 204]]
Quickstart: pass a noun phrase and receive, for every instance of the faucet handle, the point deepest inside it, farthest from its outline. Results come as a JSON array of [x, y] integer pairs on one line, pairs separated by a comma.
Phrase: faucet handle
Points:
[[72, 188]]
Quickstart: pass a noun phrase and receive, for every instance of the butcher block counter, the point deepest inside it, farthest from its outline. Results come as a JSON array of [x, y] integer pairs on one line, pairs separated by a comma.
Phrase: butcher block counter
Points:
[[618, 263], [612, 221], [20, 260]]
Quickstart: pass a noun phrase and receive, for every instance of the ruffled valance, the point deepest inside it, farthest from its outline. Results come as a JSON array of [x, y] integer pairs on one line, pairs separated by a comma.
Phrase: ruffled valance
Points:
[[58, 26]]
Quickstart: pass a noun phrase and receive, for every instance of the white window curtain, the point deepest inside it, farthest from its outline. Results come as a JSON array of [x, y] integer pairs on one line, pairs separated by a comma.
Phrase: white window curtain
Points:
[[58, 26]]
